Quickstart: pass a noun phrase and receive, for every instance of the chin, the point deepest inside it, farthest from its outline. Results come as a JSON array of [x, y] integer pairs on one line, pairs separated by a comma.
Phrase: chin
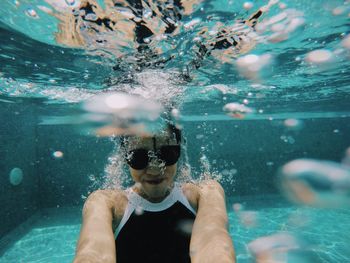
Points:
[[158, 190]]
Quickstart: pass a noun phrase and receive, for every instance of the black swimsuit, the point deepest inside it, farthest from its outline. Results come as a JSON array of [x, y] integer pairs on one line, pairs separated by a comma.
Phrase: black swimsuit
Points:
[[155, 232]]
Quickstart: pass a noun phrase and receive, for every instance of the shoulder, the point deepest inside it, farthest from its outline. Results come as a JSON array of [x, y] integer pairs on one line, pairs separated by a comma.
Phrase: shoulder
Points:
[[195, 192], [111, 200], [208, 187], [191, 192]]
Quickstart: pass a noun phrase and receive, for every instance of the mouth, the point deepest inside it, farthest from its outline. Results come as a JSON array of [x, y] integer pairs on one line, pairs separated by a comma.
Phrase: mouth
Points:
[[155, 181]]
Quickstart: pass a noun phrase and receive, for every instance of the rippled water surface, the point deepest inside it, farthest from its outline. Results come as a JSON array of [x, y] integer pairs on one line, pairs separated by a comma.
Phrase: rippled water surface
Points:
[[38, 59]]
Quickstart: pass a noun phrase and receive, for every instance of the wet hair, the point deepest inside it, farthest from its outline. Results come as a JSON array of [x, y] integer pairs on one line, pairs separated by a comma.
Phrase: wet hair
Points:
[[171, 128]]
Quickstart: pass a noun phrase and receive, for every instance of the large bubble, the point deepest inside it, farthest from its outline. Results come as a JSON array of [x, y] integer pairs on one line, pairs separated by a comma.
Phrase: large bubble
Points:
[[316, 183], [120, 113], [276, 248]]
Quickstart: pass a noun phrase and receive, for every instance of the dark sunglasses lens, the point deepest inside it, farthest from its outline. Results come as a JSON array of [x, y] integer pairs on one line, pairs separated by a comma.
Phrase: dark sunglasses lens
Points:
[[138, 159], [170, 154]]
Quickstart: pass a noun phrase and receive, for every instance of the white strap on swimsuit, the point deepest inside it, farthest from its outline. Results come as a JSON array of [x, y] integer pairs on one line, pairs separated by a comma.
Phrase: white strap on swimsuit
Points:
[[138, 203]]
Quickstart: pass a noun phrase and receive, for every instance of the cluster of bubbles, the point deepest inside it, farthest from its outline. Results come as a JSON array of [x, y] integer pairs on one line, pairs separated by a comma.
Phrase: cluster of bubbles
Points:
[[281, 26], [306, 182]]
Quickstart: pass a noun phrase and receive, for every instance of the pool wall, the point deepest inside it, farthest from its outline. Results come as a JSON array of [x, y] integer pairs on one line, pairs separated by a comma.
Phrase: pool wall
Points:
[[18, 148], [249, 151]]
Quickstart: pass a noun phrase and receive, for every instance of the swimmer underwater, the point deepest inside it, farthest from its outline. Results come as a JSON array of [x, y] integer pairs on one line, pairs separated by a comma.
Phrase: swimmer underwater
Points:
[[157, 219]]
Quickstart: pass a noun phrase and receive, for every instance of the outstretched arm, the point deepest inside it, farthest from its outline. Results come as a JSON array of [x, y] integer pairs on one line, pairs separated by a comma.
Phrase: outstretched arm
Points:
[[210, 241], [96, 243]]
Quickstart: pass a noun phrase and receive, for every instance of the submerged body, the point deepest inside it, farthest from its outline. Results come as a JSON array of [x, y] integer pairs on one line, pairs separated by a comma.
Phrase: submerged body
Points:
[[157, 219]]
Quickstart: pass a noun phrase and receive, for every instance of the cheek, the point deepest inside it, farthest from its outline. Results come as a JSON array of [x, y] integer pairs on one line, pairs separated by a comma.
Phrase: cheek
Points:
[[171, 170], [136, 174]]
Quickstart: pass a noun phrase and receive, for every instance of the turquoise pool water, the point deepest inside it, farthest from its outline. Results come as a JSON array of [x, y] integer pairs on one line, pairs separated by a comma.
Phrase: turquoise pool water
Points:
[[247, 110], [50, 236]]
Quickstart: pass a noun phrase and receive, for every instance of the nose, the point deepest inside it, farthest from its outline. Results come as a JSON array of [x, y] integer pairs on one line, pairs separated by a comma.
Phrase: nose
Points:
[[155, 166]]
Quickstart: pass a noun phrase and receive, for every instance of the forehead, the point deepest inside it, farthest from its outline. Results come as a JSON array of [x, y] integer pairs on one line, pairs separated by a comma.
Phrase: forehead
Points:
[[165, 138]]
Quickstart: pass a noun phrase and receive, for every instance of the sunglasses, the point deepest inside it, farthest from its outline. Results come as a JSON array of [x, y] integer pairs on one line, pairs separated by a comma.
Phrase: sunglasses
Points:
[[139, 158]]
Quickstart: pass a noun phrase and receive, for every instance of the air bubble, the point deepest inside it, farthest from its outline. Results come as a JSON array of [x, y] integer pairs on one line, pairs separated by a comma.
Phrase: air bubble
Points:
[[273, 248], [16, 176], [319, 57], [248, 5], [253, 66], [338, 10], [31, 13], [282, 6], [237, 110], [346, 42], [316, 183], [58, 154], [293, 124], [122, 113]]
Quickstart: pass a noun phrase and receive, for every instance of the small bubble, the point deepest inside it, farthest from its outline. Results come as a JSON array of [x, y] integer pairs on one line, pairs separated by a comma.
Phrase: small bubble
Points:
[[248, 5], [31, 13], [199, 136], [176, 114], [185, 226], [336, 131], [237, 207], [282, 6], [245, 101], [346, 42], [139, 210], [293, 124], [248, 218], [320, 56], [338, 10], [58, 154]]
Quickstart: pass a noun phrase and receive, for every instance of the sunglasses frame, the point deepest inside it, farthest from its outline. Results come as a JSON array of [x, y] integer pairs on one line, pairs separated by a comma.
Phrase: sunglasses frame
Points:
[[149, 155]]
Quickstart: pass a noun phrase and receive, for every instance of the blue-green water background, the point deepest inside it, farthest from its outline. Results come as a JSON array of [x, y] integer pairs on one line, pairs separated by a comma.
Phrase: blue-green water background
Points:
[[251, 150]]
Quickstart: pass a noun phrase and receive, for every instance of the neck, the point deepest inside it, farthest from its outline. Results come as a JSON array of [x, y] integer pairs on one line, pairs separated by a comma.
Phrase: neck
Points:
[[153, 199]]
